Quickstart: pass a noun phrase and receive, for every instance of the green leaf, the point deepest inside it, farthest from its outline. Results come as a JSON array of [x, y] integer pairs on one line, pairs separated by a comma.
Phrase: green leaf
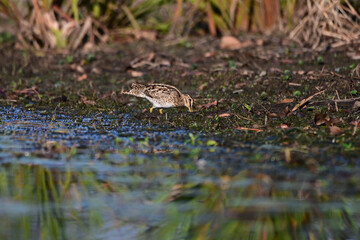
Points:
[[297, 94], [320, 60], [352, 66], [232, 64], [247, 107], [263, 95], [212, 143], [69, 59], [61, 41]]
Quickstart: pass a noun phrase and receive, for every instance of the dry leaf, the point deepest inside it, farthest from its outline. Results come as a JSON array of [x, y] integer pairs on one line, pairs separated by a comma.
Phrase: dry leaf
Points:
[[77, 67], [138, 62], [230, 42], [286, 60], [225, 115], [301, 72], [143, 60], [198, 73], [165, 63], [354, 55], [356, 106], [26, 91], [334, 121], [96, 70], [201, 87], [273, 69], [355, 123], [88, 47], [136, 73], [151, 60], [146, 34], [210, 54], [286, 110], [239, 85], [208, 105], [284, 126], [321, 118], [286, 100], [86, 101], [247, 43], [29, 91], [259, 42], [334, 130], [82, 78], [272, 115], [151, 56]]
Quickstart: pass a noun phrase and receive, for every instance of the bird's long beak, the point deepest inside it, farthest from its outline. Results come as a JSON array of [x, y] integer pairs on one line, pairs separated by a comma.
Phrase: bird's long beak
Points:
[[126, 93], [190, 109]]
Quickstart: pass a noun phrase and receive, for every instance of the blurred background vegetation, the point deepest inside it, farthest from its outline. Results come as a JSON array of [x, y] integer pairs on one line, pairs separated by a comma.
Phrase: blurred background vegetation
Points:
[[71, 24]]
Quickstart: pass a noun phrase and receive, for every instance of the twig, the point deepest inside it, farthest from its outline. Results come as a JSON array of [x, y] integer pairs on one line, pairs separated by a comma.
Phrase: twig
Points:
[[338, 100], [265, 120], [355, 128], [62, 14], [239, 116], [249, 129], [336, 106]]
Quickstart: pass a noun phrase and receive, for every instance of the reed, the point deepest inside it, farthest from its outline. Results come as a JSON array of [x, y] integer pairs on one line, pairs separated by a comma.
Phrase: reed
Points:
[[75, 24]]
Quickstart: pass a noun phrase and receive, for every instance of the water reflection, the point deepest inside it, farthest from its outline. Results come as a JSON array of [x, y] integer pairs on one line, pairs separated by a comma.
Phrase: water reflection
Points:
[[108, 178]]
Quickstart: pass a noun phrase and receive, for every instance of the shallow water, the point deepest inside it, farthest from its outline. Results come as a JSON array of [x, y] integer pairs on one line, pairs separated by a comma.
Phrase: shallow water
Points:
[[66, 176]]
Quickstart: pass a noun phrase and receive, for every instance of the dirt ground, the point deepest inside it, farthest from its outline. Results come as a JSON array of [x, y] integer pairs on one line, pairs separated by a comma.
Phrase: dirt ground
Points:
[[270, 90]]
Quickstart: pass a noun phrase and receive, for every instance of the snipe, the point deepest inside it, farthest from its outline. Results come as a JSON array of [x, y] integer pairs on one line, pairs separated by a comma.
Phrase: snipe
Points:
[[161, 95]]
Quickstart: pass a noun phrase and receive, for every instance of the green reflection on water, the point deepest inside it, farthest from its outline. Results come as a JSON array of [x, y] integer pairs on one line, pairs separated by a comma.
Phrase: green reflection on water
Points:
[[65, 203]]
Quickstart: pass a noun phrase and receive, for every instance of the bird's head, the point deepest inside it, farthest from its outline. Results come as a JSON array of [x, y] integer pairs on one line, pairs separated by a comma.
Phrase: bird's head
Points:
[[188, 102]]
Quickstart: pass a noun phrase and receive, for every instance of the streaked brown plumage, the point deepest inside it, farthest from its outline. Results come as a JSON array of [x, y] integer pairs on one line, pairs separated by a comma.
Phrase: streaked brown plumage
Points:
[[161, 95]]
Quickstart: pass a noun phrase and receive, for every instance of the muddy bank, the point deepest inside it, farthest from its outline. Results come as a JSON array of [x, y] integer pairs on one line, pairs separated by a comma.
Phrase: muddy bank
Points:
[[269, 91]]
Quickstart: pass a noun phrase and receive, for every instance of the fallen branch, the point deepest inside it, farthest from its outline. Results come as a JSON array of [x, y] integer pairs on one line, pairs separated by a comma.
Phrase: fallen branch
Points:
[[304, 101]]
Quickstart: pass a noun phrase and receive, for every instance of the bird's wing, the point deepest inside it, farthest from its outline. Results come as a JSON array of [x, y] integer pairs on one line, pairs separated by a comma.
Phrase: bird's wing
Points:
[[161, 90]]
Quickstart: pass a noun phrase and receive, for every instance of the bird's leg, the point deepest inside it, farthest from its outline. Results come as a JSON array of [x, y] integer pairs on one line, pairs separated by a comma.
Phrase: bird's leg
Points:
[[151, 110], [161, 112]]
